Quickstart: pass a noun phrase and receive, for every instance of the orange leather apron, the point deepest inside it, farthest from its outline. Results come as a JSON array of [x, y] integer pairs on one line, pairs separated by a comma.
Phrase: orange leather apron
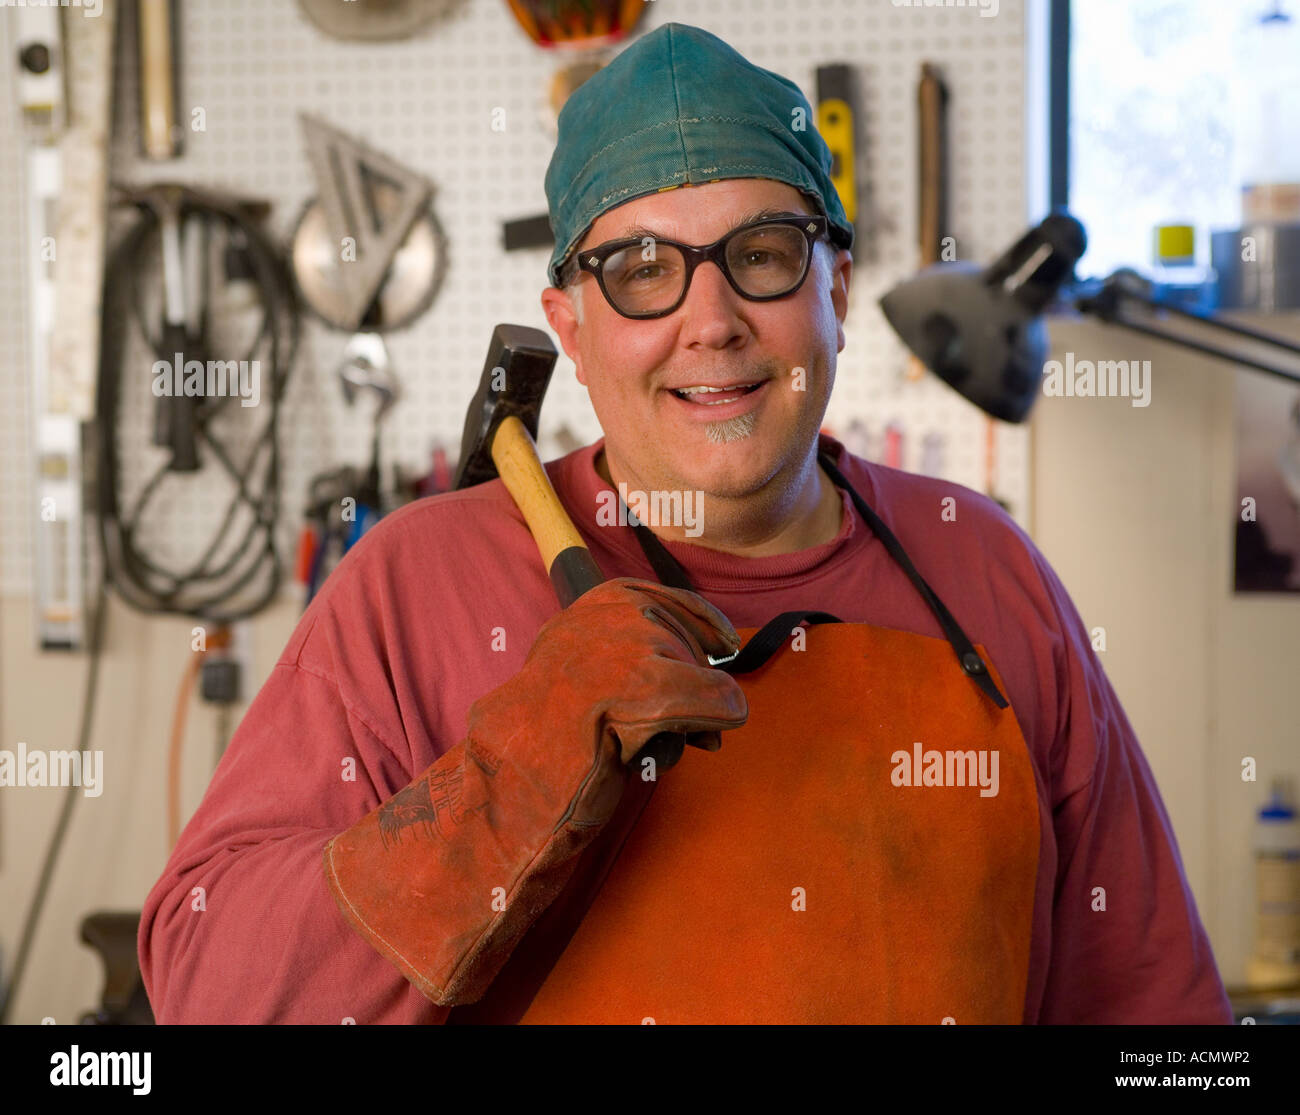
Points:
[[863, 850]]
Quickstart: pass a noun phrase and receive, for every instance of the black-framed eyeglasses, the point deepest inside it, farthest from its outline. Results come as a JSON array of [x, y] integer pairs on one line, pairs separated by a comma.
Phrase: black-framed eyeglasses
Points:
[[645, 277]]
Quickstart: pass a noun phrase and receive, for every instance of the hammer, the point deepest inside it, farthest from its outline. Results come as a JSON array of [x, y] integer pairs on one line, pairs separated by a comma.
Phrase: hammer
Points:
[[500, 440]]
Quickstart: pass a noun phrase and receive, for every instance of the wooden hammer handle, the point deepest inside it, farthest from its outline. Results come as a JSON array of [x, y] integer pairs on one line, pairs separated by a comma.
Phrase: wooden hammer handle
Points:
[[565, 555], [568, 561]]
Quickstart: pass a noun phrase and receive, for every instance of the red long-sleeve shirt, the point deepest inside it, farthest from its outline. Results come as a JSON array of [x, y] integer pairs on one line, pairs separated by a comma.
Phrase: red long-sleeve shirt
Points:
[[440, 603]]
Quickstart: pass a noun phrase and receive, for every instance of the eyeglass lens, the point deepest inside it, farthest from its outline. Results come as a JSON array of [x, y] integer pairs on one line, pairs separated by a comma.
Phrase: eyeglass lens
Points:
[[764, 261]]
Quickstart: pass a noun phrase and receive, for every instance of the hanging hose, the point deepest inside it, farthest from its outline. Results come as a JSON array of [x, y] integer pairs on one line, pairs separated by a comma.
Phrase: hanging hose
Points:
[[244, 582]]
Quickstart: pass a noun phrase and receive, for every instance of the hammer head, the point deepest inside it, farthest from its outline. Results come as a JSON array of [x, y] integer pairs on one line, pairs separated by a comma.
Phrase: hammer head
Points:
[[515, 377]]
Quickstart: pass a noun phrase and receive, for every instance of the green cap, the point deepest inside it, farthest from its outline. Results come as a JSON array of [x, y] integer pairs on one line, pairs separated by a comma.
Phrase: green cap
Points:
[[680, 106]]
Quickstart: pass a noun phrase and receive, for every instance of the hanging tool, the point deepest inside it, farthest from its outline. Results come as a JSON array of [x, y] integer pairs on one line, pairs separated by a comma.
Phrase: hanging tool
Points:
[[893, 447], [375, 20], [434, 482], [333, 525], [176, 416], [160, 136], [577, 23], [932, 177], [366, 368], [837, 121], [329, 532], [66, 120], [367, 253], [324, 538], [239, 572]]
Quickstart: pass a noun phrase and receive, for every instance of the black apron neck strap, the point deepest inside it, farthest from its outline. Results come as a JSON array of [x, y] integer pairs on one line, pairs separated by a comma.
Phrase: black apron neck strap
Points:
[[666, 567], [776, 630], [967, 655]]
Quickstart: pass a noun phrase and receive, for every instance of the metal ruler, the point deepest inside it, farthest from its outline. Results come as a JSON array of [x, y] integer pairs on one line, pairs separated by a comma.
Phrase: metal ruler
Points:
[[64, 90]]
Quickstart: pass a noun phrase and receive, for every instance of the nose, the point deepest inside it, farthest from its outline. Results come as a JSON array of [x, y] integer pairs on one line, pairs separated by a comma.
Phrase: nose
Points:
[[711, 309]]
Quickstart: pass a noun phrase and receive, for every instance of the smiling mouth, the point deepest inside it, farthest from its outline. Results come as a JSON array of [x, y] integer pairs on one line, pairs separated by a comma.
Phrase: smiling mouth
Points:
[[715, 396]]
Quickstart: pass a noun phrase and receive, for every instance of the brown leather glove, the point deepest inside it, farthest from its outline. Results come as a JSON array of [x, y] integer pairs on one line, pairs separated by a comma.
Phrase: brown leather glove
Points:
[[446, 876]]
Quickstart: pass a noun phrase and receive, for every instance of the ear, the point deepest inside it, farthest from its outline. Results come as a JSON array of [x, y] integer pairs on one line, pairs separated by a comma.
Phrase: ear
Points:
[[841, 268], [560, 315]]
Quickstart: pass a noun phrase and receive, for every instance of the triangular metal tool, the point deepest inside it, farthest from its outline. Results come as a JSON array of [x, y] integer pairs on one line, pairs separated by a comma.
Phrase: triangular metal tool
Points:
[[351, 175]]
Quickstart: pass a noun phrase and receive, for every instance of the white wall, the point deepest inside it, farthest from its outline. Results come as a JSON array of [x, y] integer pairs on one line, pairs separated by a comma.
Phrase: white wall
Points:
[[116, 844], [1135, 508]]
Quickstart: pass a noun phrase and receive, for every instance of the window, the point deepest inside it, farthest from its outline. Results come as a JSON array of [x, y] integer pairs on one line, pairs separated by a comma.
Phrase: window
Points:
[[1150, 134]]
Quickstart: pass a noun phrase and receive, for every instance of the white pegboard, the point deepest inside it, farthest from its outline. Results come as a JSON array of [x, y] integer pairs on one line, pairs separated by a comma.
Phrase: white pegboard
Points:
[[428, 101]]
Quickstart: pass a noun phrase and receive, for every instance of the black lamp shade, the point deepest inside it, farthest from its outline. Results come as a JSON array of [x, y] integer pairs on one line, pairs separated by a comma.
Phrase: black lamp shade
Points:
[[972, 336], [980, 330]]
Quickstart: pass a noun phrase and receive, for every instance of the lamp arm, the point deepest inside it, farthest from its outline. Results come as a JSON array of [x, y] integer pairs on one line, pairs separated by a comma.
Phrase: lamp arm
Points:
[[1122, 289]]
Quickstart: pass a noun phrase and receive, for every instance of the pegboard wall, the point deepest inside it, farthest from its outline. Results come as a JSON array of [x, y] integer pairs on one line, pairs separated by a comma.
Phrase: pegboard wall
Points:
[[428, 101]]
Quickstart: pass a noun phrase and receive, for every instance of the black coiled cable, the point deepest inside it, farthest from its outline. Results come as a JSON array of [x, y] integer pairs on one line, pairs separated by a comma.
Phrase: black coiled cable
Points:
[[212, 590]]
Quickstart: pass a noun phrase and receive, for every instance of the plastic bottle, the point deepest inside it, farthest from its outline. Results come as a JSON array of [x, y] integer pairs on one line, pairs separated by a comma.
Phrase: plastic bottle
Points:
[[1267, 124], [1276, 958]]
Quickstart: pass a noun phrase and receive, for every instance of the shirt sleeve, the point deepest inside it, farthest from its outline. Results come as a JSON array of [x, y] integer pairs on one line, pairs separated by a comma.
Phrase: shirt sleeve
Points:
[[1128, 946], [241, 927]]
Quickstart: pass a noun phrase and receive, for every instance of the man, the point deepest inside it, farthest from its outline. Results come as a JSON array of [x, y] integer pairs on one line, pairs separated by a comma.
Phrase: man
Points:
[[913, 797]]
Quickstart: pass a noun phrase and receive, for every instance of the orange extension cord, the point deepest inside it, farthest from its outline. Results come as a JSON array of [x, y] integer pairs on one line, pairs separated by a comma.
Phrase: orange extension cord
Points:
[[219, 639]]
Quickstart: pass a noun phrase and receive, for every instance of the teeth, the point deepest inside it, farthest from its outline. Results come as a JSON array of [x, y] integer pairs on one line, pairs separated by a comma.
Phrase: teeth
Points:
[[685, 393]]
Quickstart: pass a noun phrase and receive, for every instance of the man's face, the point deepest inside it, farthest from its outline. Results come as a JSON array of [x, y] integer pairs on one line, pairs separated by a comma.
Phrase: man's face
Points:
[[783, 352]]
